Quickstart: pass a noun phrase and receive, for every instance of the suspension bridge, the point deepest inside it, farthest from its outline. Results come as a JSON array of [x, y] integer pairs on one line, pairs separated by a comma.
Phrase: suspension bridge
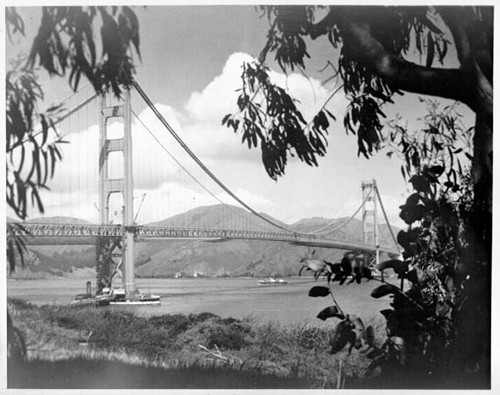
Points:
[[118, 226]]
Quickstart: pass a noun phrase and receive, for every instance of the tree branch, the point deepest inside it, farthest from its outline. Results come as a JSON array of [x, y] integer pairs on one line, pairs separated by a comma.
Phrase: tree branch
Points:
[[455, 84], [479, 87], [318, 29], [361, 46]]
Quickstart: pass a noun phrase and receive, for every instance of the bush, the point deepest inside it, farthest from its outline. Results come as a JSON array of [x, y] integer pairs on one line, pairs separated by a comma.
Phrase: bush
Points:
[[19, 304], [230, 337], [311, 338]]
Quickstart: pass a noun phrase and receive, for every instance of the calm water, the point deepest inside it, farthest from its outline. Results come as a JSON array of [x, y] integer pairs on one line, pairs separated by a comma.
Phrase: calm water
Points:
[[227, 297]]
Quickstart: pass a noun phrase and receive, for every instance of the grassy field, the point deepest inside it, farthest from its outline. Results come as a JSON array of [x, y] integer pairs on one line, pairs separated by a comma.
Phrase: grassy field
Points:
[[85, 347]]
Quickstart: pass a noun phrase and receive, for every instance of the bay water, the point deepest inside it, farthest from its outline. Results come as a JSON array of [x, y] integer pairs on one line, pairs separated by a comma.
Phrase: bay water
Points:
[[227, 297]]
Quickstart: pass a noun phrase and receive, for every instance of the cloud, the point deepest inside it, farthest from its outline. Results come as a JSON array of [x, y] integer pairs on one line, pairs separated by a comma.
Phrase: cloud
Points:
[[219, 96], [204, 110]]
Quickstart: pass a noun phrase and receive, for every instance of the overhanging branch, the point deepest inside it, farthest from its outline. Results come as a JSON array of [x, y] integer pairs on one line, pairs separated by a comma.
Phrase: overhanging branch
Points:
[[361, 46]]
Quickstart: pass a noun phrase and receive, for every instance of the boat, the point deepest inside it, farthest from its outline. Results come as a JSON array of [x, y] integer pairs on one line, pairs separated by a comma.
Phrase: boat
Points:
[[273, 281], [89, 300], [117, 296]]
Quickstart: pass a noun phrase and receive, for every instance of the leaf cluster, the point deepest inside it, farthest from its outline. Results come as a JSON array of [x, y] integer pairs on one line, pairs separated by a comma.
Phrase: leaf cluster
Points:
[[65, 42], [16, 246], [269, 117], [424, 315], [351, 268], [437, 156], [32, 141], [350, 330], [421, 323], [397, 29]]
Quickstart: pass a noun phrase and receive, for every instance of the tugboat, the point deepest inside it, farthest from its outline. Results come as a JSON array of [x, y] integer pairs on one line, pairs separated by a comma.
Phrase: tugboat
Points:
[[273, 281], [117, 296], [90, 299]]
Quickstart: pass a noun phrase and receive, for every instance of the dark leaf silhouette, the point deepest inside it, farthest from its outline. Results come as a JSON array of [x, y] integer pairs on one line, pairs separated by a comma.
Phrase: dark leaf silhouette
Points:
[[331, 311], [370, 336], [397, 265], [346, 265], [420, 183], [319, 291], [333, 267], [340, 337], [358, 328], [366, 272], [383, 290]]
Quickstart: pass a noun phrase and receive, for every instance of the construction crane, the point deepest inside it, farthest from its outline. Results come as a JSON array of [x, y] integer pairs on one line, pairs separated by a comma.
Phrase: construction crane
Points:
[[139, 208]]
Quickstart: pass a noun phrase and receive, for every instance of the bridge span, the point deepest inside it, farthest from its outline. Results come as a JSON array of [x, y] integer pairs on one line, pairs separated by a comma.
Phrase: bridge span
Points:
[[88, 234]]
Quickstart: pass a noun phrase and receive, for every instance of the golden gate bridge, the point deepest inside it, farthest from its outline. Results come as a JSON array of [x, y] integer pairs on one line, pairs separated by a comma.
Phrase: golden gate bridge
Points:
[[115, 241]]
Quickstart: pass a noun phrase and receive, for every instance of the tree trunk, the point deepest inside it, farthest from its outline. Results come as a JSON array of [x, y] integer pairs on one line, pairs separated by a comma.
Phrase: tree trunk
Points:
[[474, 318]]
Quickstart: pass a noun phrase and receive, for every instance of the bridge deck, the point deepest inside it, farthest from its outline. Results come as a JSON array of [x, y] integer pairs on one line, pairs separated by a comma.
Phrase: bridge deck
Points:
[[87, 234]]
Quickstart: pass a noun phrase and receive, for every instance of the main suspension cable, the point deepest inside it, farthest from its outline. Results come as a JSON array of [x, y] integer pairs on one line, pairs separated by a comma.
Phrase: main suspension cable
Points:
[[186, 170], [199, 162]]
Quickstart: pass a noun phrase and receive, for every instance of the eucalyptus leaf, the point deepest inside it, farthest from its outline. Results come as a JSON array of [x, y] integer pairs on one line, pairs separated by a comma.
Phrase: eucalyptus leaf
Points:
[[319, 291]]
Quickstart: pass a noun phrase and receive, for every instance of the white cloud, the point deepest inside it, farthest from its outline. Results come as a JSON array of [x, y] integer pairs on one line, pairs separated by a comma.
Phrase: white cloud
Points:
[[219, 96], [205, 110]]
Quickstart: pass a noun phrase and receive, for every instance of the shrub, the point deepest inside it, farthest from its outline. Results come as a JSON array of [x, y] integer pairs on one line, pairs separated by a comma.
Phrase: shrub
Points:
[[311, 338], [19, 304], [230, 337]]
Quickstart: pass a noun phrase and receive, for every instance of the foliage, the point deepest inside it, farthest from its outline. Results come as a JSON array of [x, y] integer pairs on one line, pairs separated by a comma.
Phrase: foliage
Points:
[[269, 116], [154, 337], [65, 42], [32, 151], [228, 334], [425, 317], [292, 352], [32, 148], [374, 43], [16, 346], [422, 322], [437, 149]]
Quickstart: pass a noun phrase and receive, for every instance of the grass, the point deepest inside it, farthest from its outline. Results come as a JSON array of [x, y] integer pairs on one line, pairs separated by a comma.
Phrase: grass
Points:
[[85, 347]]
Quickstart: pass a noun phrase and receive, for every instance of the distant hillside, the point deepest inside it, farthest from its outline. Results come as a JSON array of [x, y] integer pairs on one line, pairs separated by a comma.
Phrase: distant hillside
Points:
[[165, 258], [53, 260], [218, 216], [308, 225], [235, 257]]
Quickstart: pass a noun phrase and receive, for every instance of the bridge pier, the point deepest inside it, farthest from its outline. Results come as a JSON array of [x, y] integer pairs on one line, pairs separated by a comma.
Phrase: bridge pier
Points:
[[369, 217], [124, 257], [108, 261]]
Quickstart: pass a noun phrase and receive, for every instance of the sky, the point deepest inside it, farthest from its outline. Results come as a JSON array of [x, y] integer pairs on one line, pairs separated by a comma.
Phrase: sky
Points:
[[190, 68]]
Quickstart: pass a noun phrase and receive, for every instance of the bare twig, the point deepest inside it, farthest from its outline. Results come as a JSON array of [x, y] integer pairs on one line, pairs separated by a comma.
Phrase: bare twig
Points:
[[218, 355]]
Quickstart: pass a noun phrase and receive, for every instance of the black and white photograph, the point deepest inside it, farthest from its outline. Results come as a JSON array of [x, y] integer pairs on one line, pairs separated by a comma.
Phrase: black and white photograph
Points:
[[247, 196]]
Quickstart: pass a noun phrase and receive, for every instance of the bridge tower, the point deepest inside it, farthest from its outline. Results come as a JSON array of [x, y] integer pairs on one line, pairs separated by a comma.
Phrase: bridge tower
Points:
[[370, 221], [118, 253]]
